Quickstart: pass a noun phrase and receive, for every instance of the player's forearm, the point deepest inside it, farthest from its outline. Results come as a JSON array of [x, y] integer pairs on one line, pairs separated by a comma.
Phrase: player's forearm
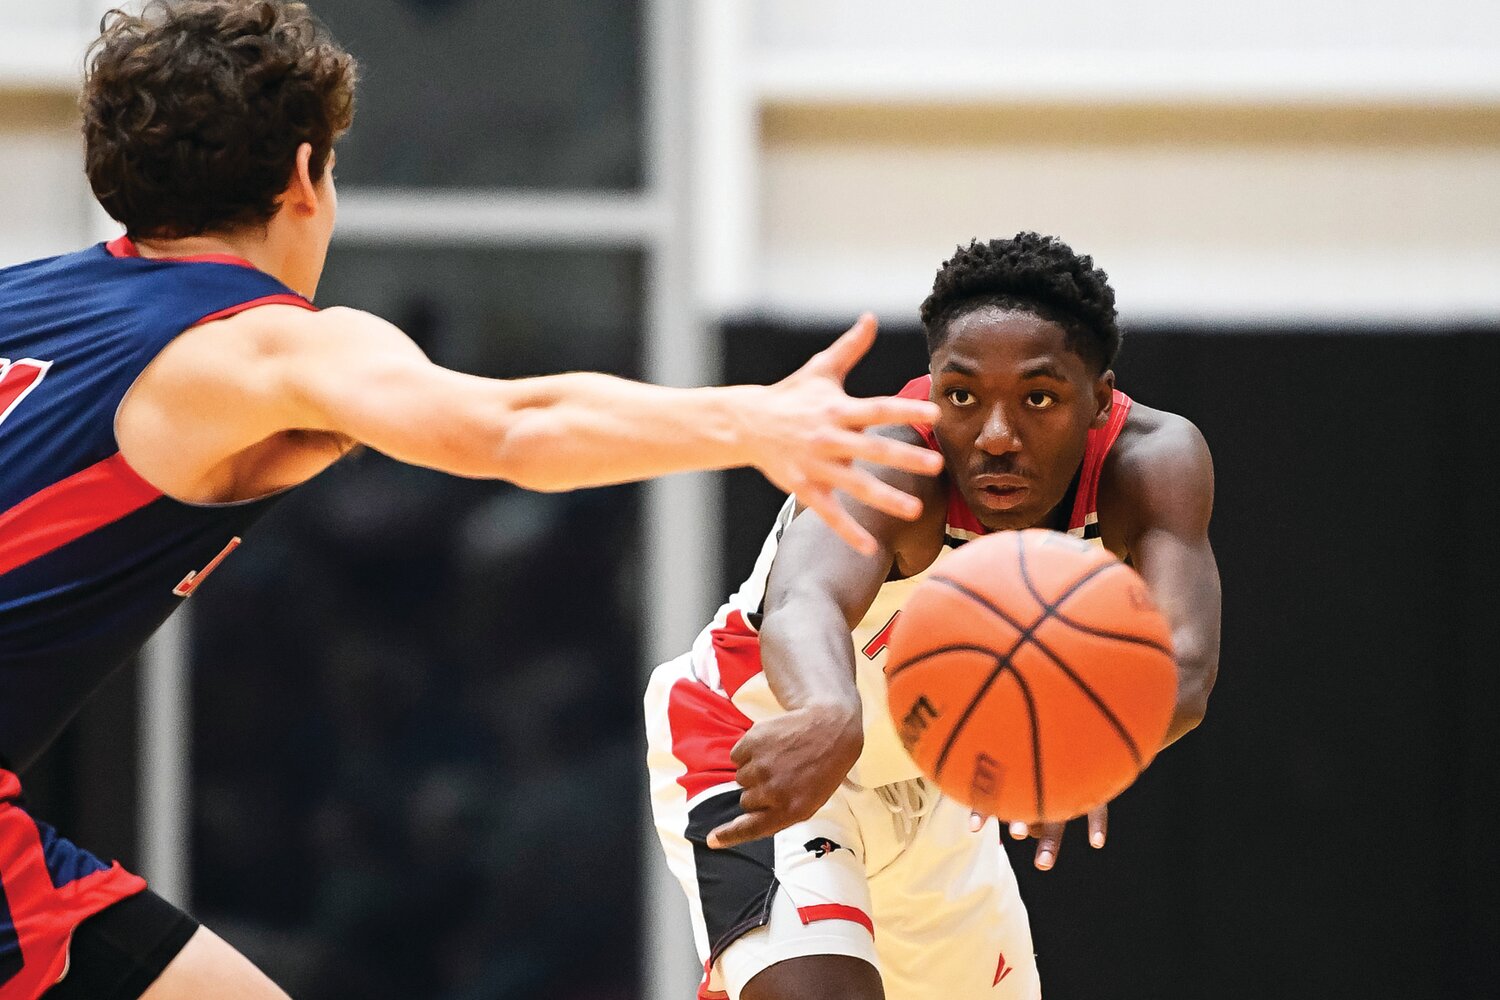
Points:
[[807, 655], [570, 431]]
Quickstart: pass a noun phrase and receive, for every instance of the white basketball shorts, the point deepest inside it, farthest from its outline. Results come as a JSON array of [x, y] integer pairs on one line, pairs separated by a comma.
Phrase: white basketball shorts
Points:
[[933, 906]]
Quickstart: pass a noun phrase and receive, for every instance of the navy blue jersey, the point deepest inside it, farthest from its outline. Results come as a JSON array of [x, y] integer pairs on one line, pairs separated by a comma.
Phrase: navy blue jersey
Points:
[[92, 557]]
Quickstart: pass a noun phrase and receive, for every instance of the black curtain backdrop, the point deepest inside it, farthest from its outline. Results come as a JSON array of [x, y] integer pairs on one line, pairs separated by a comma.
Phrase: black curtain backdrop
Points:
[[1331, 830]]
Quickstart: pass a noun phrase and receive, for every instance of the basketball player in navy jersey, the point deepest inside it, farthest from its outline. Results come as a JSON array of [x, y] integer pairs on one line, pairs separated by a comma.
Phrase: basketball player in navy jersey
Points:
[[816, 860], [157, 393]]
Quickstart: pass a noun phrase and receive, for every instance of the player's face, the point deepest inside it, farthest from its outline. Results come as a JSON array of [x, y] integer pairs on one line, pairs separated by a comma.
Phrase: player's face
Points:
[[1017, 405]]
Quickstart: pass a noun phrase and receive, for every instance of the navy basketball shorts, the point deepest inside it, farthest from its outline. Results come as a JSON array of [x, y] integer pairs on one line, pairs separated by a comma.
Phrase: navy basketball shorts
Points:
[[71, 922]]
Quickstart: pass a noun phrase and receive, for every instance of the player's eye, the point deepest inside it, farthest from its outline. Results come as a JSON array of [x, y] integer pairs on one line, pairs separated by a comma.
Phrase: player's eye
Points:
[[961, 397], [1038, 400]]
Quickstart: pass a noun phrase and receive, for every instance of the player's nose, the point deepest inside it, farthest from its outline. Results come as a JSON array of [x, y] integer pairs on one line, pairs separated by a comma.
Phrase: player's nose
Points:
[[998, 435]]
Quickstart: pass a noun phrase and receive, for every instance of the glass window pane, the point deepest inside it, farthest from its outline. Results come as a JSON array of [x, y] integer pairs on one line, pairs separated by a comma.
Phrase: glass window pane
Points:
[[416, 764], [472, 93]]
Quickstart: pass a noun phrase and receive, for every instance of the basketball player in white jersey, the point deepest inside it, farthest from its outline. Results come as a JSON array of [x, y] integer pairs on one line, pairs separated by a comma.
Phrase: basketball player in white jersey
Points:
[[816, 861]]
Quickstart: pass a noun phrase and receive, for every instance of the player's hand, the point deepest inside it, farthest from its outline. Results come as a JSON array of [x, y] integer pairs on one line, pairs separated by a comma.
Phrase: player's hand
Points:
[[789, 766], [806, 436], [1049, 835]]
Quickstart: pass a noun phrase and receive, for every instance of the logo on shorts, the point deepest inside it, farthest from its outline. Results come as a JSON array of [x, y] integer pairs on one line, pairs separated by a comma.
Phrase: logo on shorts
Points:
[[821, 846]]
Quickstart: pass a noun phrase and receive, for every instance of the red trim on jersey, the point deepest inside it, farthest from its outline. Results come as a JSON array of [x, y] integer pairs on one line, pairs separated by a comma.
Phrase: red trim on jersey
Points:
[[71, 508], [705, 726], [1100, 441], [736, 651], [45, 916], [125, 247], [836, 911], [265, 300]]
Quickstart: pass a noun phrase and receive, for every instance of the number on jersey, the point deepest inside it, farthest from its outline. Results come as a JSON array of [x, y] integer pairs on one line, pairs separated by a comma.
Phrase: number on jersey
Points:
[[16, 380]]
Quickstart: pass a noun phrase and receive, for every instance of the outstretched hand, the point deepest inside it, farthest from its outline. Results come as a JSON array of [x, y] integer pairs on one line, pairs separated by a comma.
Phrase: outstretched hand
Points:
[[789, 766], [1049, 835], [809, 436]]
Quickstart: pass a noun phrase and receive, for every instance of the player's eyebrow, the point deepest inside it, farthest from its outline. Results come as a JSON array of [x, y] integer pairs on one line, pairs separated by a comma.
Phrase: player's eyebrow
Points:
[[960, 367], [1042, 369]]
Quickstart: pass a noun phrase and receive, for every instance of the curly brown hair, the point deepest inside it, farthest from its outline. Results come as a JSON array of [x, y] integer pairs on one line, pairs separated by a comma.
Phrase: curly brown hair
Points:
[[193, 111]]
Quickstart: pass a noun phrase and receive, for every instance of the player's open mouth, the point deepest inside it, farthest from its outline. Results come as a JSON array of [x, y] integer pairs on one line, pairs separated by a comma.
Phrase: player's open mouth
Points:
[[1002, 492]]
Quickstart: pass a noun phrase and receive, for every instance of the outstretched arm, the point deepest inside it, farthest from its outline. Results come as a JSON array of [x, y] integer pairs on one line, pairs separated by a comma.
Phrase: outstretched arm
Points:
[[277, 369], [1158, 493], [1167, 489], [818, 591]]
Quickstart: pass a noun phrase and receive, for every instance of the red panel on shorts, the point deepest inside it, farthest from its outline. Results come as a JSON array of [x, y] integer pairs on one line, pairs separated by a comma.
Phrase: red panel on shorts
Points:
[[836, 911], [705, 726], [45, 916], [71, 508], [737, 652]]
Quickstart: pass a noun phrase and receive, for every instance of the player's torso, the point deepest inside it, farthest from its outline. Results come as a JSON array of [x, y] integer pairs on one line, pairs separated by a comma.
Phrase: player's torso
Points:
[[92, 557], [726, 655]]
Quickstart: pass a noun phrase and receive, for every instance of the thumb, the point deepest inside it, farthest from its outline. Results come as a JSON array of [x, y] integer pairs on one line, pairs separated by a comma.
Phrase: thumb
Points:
[[837, 359]]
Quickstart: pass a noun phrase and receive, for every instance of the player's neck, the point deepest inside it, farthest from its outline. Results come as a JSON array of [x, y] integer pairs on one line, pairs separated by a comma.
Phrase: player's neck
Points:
[[256, 249]]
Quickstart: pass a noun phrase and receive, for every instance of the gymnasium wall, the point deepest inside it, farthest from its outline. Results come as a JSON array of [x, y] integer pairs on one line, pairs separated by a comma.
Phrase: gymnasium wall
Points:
[[1327, 831]]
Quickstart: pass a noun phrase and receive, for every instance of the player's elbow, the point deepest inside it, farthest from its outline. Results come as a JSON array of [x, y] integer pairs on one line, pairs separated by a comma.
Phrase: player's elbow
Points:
[[1195, 682]]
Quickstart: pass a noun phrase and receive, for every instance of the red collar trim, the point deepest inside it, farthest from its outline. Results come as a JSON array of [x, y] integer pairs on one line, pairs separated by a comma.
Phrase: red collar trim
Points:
[[125, 247]]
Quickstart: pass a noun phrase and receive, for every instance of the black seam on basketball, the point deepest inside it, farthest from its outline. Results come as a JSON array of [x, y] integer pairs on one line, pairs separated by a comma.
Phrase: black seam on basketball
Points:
[[1070, 592], [1029, 635], [895, 669], [1001, 664], [1099, 703], [1036, 743], [1132, 640]]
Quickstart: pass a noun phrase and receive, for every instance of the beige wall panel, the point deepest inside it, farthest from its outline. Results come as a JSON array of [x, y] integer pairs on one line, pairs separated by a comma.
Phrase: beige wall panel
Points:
[[44, 200], [1109, 26], [1226, 232]]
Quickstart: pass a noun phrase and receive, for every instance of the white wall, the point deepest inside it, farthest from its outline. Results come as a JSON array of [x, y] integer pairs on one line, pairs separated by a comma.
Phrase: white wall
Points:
[[1330, 162]]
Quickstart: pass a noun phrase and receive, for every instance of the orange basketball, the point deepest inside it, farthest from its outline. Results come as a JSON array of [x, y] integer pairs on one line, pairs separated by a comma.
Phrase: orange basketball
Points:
[[1031, 675]]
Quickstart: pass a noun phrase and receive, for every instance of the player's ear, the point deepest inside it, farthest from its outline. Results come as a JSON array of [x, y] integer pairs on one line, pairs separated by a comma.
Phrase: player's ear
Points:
[[301, 195], [1104, 397]]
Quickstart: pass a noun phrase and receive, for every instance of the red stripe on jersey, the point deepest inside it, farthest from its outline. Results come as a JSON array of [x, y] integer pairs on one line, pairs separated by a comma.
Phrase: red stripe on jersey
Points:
[[268, 300], [736, 651], [705, 726], [125, 247], [71, 508], [836, 911], [1100, 441]]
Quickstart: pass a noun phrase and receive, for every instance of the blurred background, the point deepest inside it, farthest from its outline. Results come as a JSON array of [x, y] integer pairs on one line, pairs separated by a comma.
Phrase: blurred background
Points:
[[395, 749]]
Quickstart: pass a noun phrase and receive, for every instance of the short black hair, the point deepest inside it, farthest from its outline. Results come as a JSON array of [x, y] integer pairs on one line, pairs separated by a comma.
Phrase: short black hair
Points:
[[1028, 273]]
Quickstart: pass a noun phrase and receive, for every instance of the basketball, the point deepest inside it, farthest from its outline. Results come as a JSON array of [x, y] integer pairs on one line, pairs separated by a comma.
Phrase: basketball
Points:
[[1031, 676]]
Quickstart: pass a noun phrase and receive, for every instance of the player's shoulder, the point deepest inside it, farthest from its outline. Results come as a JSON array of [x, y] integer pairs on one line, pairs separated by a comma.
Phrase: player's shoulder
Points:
[[1159, 473], [1156, 442]]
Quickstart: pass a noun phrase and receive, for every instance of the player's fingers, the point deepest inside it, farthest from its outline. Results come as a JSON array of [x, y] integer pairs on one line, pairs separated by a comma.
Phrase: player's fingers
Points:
[[1098, 826], [1019, 831], [823, 503], [976, 822], [1048, 846], [741, 830], [844, 446], [837, 359], [860, 413], [868, 489]]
